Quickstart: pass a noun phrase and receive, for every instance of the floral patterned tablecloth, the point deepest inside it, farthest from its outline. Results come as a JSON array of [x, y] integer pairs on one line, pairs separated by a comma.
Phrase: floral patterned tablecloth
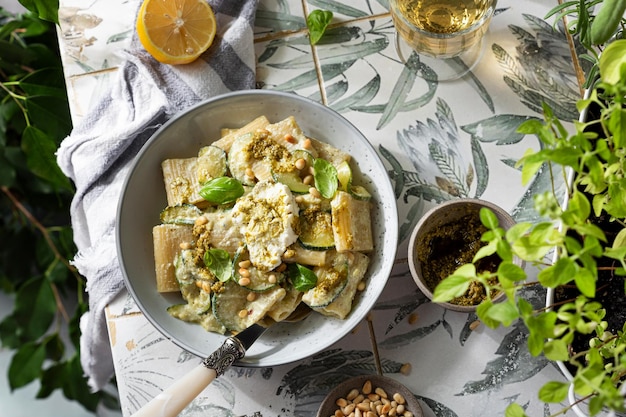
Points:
[[438, 140]]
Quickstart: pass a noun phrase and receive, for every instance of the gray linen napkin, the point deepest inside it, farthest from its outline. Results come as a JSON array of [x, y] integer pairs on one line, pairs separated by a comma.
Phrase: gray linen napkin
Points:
[[98, 153]]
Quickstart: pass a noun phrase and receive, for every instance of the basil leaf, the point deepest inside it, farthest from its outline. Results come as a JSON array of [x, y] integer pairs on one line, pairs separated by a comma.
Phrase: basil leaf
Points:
[[221, 190], [301, 277], [325, 177], [317, 21], [219, 263]]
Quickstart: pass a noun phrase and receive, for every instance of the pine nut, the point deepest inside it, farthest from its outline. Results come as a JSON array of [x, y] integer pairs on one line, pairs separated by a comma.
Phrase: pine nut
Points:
[[367, 387], [363, 406], [315, 192], [289, 138], [341, 402], [300, 163], [244, 272], [352, 394], [308, 180], [360, 286], [201, 221], [307, 144], [243, 313], [185, 245], [405, 369], [272, 279], [371, 401], [473, 325], [251, 296], [244, 282], [249, 173], [397, 397], [245, 264]]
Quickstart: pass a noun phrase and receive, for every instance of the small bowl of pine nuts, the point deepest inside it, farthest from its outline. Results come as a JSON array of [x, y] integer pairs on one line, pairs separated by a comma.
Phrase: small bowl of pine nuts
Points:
[[370, 396]]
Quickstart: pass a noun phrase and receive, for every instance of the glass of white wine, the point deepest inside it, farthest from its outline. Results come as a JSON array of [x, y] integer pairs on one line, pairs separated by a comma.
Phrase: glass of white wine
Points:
[[447, 35]]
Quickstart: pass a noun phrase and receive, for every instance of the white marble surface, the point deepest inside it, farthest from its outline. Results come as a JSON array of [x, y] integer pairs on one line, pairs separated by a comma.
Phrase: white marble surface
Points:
[[454, 371]]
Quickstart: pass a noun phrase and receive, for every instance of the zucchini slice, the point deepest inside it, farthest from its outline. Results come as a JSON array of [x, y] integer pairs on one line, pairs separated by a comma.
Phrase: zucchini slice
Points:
[[291, 180], [211, 163], [360, 193], [331, 281], [229, 303], [259, 280], [316, 231], [180, 214], [187, 275]]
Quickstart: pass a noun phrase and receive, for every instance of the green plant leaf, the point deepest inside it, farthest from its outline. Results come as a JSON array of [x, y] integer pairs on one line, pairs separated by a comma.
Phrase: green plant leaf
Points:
[[40, 156], [25, 366], [219, 263], [559, 273], [317, 21], [52, 378], [302, 277], [75, 386], [514, 410], [611, 61], [35, 307], [325, 177], [556, 350], [554, 392], [488, 218], [451, 287], [585, 282], [504, 312], [482, 311], [508, 271], [221, 190], [45, 9]]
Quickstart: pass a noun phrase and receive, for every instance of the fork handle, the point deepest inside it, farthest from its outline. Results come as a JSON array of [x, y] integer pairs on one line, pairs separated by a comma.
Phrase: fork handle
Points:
[[174, 399]]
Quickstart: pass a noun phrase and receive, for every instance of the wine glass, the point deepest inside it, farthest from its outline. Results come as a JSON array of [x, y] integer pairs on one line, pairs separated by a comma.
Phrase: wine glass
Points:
[[447, 35]]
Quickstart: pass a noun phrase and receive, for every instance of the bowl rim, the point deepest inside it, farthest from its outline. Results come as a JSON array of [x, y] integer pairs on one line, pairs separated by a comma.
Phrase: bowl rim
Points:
[[388, 216], [499, 211]]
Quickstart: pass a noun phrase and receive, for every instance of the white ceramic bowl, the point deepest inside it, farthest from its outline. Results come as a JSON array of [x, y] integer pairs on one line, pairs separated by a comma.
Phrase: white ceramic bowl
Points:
[[143, 198]]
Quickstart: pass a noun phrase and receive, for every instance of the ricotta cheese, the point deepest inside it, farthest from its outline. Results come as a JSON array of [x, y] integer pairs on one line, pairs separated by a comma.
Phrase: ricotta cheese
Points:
[[267, 217]]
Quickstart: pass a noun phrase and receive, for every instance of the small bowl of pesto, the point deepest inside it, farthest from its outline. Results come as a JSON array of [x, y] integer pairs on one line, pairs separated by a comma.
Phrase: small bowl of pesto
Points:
[[447, 237]]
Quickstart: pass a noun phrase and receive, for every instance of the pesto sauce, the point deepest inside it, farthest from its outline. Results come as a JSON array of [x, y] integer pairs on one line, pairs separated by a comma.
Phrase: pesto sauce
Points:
[[447, 247]]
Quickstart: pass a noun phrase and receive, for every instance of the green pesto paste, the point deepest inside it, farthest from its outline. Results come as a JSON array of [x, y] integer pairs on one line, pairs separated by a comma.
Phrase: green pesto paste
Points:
[[447, 247]]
